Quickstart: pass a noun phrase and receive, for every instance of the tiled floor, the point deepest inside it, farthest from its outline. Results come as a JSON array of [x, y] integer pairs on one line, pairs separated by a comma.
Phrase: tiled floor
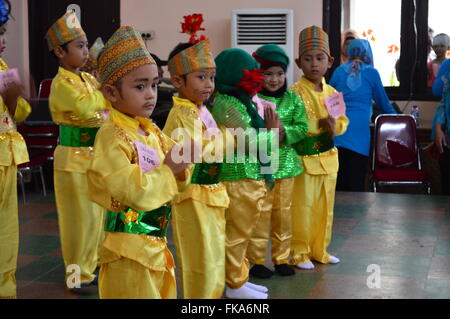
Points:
[[404, 237]]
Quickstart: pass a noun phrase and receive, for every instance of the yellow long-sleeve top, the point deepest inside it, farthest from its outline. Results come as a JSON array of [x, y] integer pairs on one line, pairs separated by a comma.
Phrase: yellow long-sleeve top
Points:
[[75, 101], [185, 114], [325, 162], [13, 150], [116, 182]]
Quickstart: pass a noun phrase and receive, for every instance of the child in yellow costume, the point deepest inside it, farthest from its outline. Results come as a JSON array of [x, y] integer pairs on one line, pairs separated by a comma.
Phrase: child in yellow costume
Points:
[[77, 106], [276, 225], [199, 211], [132, 175], [314, 190], [13, 151]]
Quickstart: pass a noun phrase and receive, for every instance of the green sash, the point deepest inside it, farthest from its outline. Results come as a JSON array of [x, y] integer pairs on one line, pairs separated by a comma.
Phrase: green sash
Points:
[[312, 145], [77, 136], [206, 173], [152, 223]]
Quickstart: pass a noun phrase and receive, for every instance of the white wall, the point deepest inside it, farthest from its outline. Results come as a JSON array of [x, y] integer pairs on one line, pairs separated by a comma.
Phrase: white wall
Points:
[[165, 17]]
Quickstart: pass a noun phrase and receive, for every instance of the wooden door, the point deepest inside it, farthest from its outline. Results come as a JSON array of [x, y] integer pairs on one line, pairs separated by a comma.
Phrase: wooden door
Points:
[[99, 18]]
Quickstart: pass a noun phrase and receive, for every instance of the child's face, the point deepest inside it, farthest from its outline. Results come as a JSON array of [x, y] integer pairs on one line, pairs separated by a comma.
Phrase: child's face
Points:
[[75, 55], [197, 87], [314, 64], [274, 78], [440, 50], [137, 92], [2, 40]]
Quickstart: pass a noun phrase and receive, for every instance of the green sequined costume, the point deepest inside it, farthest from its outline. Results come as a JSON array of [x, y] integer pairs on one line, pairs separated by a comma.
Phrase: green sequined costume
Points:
[[291, 111], [230, 112]]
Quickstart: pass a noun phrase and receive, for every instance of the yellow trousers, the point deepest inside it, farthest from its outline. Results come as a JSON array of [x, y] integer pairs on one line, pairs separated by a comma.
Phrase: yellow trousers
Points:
[[9, 231], [128, 279], [248, 200], [276, 224], [80, 223], [199, 238], [312, 217]]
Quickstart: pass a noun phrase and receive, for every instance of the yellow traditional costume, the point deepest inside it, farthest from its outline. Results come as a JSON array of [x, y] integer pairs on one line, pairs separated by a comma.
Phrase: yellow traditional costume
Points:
[[77, 107], [13, 151], [135, 261], [199, 211], [314, 190]]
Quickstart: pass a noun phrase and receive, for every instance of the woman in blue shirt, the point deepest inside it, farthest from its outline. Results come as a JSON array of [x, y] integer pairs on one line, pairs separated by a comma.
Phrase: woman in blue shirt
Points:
[[360, 83]]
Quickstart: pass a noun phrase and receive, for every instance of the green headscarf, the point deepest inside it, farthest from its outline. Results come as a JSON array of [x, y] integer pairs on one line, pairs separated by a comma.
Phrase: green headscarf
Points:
[[230, 66], [270, 55]]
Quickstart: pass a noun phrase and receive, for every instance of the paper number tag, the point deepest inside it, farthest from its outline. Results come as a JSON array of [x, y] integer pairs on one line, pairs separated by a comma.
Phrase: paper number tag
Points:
[[148, 157], [262, 104], [9, 78], [335, 105]]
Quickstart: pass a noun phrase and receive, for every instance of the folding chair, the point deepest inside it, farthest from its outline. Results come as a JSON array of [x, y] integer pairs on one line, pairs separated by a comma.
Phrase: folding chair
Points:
[[396, 156]]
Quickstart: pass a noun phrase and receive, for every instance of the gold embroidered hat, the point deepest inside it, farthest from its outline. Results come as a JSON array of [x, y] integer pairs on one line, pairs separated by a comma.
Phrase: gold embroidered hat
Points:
[[124, 52], [194, 58], [65, 29], [313, 38]]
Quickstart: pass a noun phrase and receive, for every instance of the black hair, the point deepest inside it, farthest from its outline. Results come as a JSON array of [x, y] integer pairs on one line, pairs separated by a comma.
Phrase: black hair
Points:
[[180, 47], [64, 47]]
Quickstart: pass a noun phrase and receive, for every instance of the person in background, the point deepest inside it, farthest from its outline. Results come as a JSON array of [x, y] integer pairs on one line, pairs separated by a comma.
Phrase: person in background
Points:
[[347, 37], [360, 84], [441, 125], [441, 44], [13, 151]]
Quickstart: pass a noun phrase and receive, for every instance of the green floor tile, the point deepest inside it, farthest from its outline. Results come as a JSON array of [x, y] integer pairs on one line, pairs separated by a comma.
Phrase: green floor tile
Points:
[[350, 211], [437, 289], [38, 245], [397, 228], [297, 286], [411, 200], [337, 240], [46, 269], [442, 247], [399, 266]]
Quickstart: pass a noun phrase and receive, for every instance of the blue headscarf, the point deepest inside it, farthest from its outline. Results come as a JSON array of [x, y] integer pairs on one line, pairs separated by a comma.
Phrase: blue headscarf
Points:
[[5, 10], [360, 58]]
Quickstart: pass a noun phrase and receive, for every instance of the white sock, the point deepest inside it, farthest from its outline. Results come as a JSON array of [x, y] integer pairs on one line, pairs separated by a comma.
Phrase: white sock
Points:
[[256, 287], [244, 293], [333, 260], [306, 265]]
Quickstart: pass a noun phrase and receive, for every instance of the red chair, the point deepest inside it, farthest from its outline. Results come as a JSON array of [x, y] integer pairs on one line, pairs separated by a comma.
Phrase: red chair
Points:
[[396, 157], [44, 88], [41, 139]]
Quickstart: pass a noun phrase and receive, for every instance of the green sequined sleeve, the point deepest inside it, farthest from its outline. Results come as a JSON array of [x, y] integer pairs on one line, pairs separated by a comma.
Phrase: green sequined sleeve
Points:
[[298, 128]]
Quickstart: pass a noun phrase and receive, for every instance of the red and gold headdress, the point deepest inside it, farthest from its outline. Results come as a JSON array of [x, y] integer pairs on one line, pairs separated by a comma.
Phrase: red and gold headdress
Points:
[[196, 57]]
